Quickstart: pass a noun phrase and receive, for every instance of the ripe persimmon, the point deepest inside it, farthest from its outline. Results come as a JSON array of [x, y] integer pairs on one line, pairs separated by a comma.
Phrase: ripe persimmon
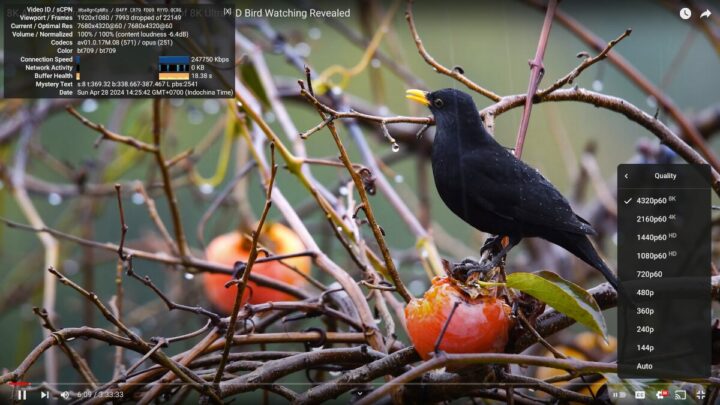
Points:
[[232, 247], [478, 325]]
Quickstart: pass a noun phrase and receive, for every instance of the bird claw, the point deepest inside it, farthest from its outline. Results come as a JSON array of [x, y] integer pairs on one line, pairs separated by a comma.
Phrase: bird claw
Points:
[[481, 268], [491, 244], [461, 271]]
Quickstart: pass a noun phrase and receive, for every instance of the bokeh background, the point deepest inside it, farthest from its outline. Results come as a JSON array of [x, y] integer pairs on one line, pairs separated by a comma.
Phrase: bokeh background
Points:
[[491, 41]]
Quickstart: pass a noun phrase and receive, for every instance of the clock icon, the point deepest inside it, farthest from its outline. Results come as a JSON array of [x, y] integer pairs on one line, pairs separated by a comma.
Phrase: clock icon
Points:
[[685, 13]]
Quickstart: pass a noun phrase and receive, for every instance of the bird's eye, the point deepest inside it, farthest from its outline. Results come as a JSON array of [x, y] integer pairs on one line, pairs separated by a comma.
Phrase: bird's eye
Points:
[[438, 103]]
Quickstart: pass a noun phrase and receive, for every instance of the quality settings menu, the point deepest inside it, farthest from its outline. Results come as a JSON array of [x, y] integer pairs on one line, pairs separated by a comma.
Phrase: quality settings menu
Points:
[[131, 51], [664, 271]]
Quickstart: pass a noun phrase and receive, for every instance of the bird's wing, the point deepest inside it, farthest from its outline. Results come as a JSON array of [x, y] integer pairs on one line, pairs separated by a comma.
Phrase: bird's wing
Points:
[[520, 192]]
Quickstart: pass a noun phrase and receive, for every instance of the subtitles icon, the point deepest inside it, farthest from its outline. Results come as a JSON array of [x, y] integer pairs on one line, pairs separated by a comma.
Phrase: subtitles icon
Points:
[[639, 394]]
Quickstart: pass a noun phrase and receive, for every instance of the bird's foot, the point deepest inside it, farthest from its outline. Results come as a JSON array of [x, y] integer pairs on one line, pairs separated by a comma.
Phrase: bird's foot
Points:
[[461, 270], [468, 266], [482, 268], [492, 243]]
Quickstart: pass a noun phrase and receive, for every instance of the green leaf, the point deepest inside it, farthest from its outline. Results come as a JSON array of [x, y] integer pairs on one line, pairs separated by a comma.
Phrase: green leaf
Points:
[[564, 296]]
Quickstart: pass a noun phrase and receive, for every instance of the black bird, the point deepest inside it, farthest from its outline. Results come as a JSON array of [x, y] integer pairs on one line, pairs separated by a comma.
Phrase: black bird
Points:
[[489, 188]]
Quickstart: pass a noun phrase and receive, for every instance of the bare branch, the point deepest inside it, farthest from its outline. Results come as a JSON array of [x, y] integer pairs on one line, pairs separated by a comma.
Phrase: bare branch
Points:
[[454, 73], [537, 70], [568, 78]]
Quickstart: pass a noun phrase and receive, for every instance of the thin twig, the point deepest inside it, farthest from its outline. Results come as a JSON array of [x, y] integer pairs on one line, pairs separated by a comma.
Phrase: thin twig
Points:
[[76, 360], [184, 374], [632, 112], [631, 72], [167, 182], [586, 63], [112, 136], [454, 73], [171, 305], [155, 216], [198, 264], [284, 206], [377, 232], [222, 195], [537, 70], [242, 282], [123, 226], [445, 359]]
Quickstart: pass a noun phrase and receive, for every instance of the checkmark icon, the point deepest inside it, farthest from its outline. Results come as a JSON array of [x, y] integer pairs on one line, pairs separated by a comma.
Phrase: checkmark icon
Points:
[[628, 201]]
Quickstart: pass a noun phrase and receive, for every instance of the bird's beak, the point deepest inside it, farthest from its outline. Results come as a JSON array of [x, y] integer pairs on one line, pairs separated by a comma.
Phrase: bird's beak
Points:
[[418, 96]]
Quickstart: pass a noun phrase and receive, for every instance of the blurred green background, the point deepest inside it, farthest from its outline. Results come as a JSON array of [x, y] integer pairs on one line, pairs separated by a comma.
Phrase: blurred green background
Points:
[[492, 41]]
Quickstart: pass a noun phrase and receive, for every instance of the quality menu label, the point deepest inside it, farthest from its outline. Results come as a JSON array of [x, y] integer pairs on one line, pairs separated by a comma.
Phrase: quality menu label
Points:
[[116, 51], [664, 271]]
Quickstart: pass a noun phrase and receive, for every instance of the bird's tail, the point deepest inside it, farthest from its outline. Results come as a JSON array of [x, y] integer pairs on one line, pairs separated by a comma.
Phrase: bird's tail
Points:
[[584, 249]]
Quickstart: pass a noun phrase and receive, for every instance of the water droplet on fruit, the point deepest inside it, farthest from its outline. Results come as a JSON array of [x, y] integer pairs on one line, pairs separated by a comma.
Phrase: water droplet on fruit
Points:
[[55, 199], [395, 147], [137, 199]]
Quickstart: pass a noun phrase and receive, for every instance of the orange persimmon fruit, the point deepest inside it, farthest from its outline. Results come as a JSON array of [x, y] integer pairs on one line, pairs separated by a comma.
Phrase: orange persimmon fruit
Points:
[[479, 325], [232, 247]]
